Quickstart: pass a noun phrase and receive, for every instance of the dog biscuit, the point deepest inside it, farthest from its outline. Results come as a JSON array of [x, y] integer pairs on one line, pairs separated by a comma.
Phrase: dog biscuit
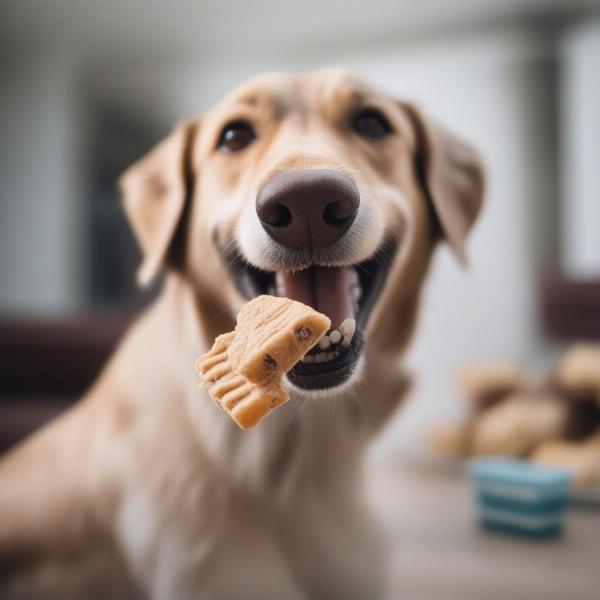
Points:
[[272, 334], [583, 458], [244, 370], [517, 425], [486, 384], [579, 370]]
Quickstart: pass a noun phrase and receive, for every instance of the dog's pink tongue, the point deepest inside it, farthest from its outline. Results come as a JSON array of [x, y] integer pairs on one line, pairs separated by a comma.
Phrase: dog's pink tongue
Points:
[[326, 289]]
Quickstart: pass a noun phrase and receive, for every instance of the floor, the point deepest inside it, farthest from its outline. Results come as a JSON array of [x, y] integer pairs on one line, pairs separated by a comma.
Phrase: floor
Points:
[[442, 554]]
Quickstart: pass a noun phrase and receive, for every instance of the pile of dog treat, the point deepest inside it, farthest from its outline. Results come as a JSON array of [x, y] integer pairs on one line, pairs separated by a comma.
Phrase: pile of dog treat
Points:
[[553, 420]]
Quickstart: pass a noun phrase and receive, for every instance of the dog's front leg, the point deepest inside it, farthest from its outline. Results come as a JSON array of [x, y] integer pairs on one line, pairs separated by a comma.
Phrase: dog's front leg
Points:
[[55, 500]]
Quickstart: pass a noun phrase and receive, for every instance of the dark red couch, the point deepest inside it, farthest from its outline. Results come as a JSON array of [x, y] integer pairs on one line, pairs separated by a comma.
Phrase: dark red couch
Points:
[[46, 364]]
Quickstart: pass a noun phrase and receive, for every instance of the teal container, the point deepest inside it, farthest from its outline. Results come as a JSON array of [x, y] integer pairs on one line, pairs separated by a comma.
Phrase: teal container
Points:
[[518, 497]]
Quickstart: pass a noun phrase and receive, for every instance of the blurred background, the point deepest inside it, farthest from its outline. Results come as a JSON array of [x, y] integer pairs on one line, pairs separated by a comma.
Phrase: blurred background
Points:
[[88, 87]]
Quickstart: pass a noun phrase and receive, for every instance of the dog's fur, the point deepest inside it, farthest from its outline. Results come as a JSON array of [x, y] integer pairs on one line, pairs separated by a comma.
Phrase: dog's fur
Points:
[[145, 487]]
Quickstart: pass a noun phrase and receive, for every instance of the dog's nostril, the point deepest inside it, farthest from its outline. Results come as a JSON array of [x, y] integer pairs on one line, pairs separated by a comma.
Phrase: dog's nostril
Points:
[[336, 213], [274, 214], [282, 216]]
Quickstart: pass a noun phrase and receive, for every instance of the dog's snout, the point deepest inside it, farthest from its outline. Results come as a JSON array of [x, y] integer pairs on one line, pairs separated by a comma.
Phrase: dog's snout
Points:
[[307, 208]]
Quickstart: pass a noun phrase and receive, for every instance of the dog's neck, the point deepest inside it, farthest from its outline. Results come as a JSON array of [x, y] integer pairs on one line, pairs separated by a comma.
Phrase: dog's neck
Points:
[[307, 441], [305, 446]]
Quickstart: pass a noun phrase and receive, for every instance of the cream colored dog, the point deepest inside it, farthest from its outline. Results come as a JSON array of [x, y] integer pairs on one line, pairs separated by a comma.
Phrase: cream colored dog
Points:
[[317, 187]]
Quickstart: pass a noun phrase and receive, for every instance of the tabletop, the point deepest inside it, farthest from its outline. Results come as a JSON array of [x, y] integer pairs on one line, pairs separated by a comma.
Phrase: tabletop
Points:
[[440, 552]]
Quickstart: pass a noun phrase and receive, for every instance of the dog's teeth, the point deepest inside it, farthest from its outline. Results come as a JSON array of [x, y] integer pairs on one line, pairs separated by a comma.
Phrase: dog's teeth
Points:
[[356, 292], [335, 337], [348, 327], [322, 357], [324, 342], [343, 335]]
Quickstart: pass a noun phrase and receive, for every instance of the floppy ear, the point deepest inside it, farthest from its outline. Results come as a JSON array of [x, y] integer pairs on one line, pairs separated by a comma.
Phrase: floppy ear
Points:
[[154, 192], [452, 175]]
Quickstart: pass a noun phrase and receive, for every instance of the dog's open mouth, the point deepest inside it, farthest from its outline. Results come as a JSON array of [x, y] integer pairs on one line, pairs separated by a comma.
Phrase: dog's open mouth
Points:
[[345, 294]]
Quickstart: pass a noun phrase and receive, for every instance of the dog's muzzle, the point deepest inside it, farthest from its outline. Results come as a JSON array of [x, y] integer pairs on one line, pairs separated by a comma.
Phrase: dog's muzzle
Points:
[[311, 233], [307, 208]]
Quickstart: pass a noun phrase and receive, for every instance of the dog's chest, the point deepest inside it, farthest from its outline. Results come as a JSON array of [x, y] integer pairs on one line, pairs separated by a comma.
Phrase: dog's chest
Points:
[[288, 492]]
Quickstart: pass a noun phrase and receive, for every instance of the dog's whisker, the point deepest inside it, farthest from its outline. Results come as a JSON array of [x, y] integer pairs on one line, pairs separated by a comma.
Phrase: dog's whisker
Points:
[[299, 411], [357, 400]]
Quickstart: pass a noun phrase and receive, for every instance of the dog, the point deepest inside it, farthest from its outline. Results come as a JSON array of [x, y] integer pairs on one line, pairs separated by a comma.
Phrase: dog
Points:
[[318, 187]]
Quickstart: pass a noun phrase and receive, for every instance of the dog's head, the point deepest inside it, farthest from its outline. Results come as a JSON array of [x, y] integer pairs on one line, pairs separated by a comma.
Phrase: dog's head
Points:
[[318, 188]]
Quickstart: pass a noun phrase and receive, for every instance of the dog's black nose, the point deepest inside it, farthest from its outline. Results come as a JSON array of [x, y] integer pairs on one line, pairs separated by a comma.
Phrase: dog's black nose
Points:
[[308, 208]]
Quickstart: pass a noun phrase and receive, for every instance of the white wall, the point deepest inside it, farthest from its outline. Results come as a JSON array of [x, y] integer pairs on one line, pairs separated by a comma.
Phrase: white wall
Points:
[[40, 226], [580, 131]]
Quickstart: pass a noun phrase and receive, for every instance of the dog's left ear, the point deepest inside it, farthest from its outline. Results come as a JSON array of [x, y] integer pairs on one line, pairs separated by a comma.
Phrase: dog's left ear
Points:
[[154, 192], [452, 175]]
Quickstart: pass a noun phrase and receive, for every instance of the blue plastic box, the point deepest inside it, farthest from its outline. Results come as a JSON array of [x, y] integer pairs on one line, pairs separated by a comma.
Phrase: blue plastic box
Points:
[[515, 496]]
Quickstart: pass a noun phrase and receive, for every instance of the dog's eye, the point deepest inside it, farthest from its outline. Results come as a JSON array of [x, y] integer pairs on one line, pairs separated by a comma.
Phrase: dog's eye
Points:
[[371, 124], [236, 136]]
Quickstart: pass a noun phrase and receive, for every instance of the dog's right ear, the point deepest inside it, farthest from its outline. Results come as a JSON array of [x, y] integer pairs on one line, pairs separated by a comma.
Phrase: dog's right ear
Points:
[[452, 175], [155, 190]]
